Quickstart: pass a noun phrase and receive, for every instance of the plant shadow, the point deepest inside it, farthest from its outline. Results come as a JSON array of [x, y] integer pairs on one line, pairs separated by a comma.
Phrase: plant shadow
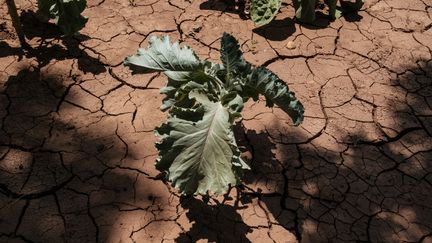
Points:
[[228, 6], [277, 30], [214, 223], [352, 17], [52, 46]]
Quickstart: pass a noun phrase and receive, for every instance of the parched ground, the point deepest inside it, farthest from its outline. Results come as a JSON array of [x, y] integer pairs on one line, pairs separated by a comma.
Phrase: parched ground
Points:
[[77, 146]]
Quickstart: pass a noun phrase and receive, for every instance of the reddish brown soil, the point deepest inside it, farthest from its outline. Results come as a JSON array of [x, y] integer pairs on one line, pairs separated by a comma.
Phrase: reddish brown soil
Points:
[[77, 148]]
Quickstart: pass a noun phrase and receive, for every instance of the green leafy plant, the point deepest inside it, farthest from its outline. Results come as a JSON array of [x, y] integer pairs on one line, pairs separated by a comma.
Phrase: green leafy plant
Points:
[[65, 13], [305, 9], [198, 151], [263, 11]]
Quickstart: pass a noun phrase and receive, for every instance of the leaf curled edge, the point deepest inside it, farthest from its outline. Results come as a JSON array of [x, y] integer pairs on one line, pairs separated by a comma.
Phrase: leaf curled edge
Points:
[[276, 91], [178, 63]]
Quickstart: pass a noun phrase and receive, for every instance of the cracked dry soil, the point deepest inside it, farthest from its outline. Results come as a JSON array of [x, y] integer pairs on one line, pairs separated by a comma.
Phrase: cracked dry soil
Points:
[[77, 148]]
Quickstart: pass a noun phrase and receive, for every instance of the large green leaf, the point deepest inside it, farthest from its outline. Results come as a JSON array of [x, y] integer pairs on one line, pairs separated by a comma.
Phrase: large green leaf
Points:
[[263, 11], [66, 13], [178, 63], [198, 154], [185, 71]]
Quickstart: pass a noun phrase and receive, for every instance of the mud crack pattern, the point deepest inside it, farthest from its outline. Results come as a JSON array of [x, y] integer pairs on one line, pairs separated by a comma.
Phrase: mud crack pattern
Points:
[[77, 148]]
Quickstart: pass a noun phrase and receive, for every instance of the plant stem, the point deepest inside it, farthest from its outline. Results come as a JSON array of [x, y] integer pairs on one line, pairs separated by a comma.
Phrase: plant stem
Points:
[[16, 22], [332, 8]]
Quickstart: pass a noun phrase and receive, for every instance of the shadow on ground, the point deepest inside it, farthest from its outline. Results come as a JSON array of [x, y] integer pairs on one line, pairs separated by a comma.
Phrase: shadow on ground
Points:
[[69, 182], [228, 6], [220, 223], [52, 46], [59, 180], [369, 191], [277, 30]]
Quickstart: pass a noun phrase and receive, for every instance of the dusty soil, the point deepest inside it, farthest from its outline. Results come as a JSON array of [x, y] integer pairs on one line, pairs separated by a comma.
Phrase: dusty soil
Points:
[[77, 148]]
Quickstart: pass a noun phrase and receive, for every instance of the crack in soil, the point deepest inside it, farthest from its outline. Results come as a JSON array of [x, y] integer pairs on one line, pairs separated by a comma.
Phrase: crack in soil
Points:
[[77, 126]]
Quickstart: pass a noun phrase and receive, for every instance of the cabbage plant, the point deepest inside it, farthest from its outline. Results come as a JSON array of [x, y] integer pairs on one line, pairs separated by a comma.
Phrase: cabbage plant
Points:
[[65, 13], [197, 150], [263, 11]]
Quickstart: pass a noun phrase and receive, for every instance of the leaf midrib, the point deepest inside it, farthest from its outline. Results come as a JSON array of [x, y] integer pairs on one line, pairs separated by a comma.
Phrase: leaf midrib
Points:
[[210, 128]]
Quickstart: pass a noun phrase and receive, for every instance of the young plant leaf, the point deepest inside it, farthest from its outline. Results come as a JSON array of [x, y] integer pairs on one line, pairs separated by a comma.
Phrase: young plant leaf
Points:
[[66, 14], [263, 11], [259, 80], [178, 63], [197, 151], [198, 155]]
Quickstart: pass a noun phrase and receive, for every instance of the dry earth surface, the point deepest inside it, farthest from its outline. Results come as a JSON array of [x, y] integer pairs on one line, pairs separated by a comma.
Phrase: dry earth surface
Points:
[[77, 146]]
